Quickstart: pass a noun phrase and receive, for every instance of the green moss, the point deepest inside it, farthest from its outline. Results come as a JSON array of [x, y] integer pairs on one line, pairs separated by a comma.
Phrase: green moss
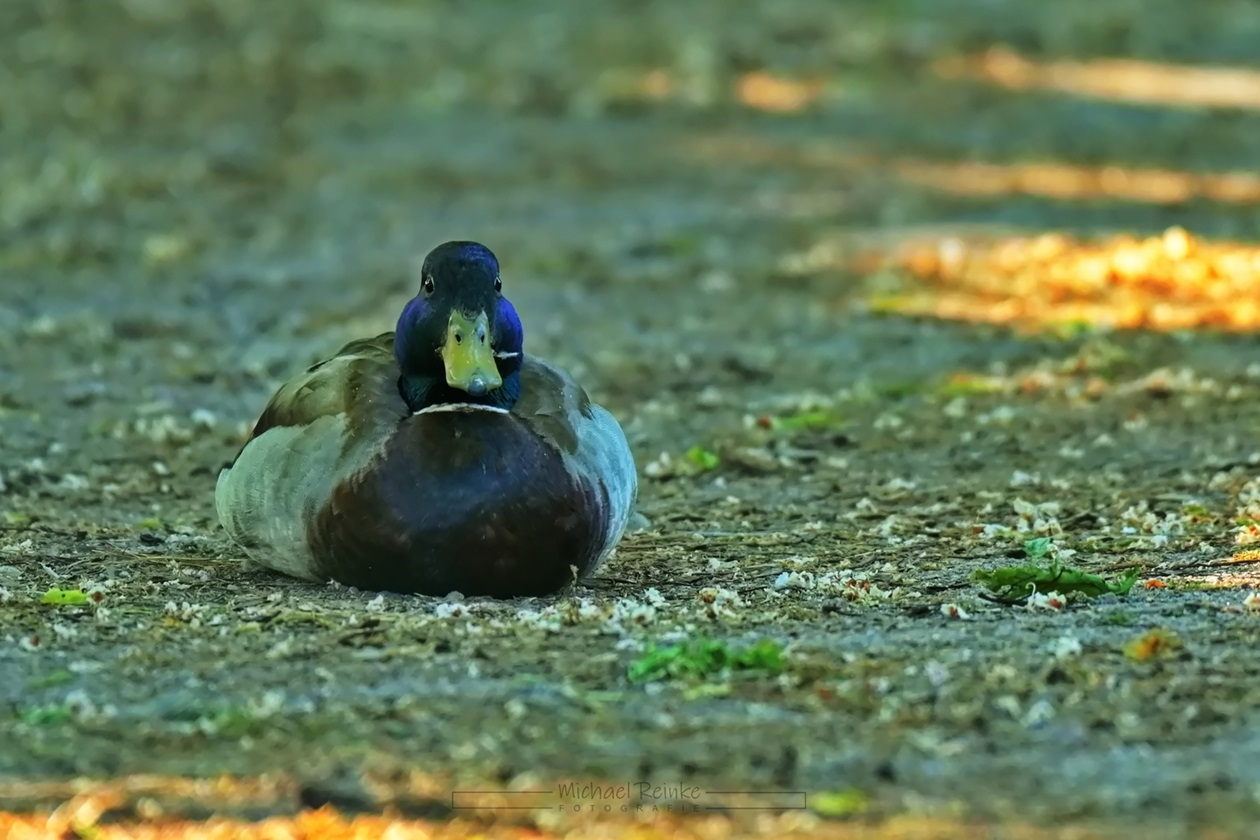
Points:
[[705, 658], [52, 714], [1103, 357], [807, 420], [50, 679], [899, 389], [232, 722], [969, 384]]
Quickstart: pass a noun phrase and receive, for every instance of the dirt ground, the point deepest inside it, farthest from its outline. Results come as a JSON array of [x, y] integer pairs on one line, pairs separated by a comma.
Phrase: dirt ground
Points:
[[198, 199]]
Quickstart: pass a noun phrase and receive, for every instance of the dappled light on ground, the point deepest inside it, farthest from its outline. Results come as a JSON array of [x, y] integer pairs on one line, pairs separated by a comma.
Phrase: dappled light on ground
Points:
[[1054, 180], [1168, 282], [158, 807], [1073, 182], [757, 90], [766, 92], [1121, 80], [327, 824]]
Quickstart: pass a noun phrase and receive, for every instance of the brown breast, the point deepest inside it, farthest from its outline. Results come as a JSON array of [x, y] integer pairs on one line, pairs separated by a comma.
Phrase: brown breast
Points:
[[474, 502]]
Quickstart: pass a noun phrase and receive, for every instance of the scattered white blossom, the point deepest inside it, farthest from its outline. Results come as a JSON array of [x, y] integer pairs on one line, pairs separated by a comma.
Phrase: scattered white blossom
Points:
[[1051, 601], [1065, 647]]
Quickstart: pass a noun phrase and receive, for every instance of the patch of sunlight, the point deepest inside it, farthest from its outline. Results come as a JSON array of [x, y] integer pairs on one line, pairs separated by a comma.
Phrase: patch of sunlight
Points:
[[1169, 282], [1122, 80], [766, 92], [759, 90], [847, 158], [1069, 181]]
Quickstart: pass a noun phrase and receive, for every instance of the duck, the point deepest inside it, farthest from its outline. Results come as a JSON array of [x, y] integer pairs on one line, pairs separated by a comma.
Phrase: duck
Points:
[[434, 459]]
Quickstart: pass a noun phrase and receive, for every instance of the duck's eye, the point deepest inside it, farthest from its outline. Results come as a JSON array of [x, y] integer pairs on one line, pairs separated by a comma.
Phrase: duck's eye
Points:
[[427, 284], [498, 285]]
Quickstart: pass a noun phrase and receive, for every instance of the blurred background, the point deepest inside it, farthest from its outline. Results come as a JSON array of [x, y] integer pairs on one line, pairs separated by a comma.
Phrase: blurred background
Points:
[[283, 160], [715, 214], [274, 169]]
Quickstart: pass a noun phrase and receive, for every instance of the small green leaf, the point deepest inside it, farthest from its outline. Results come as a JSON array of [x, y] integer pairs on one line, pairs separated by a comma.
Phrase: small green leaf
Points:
[[65, 597], [896, 304], [50, 715], [86, 831], [1013, 584], [1068, 330], [967, 384], [839, 804], [807, 420], [1038, 547], [50, 679], [700, 457], [705, 690]]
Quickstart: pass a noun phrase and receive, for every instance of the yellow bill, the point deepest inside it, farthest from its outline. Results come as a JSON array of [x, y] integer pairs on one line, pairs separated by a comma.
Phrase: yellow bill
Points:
[[468, 356]]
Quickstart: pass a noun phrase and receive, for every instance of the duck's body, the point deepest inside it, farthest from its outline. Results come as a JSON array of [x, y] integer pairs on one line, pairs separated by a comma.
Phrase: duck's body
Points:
[[350, 477]]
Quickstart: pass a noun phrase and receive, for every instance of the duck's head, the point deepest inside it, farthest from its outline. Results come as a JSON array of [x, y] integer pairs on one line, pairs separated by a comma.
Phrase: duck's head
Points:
[[459, 340]]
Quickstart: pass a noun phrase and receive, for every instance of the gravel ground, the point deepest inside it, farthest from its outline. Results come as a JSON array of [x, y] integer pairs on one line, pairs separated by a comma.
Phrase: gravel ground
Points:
[[199, 199]]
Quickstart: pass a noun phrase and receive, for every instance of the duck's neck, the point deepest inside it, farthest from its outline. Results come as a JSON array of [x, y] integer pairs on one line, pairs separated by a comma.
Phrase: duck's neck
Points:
[[420, 392]]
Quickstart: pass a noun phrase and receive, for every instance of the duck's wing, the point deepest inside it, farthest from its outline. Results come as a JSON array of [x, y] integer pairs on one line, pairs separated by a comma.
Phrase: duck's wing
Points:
[[359, 382], [591, 440], [319, 428]]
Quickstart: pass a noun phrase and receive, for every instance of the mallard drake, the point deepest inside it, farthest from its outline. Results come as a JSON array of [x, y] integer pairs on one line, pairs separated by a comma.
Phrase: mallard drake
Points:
[[436, 458]]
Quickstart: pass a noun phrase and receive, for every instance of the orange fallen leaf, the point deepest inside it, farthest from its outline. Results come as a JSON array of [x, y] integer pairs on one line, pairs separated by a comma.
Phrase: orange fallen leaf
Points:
[[1155, 642]]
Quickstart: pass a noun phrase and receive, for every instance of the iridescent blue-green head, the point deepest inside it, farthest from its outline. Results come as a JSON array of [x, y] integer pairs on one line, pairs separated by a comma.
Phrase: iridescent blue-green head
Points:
[[459, 340]]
